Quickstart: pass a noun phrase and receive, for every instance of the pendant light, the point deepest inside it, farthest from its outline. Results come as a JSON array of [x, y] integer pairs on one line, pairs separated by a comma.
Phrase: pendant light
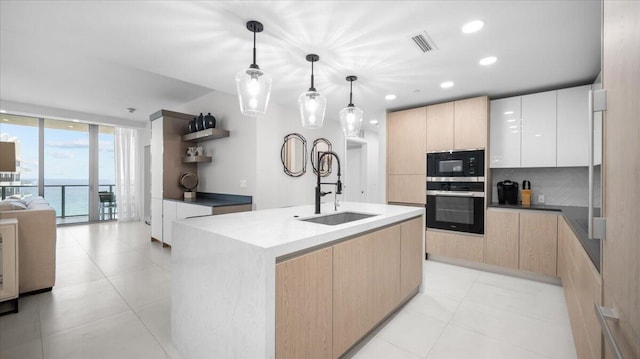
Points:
[[253, 85], [351, 116], [312, 104]]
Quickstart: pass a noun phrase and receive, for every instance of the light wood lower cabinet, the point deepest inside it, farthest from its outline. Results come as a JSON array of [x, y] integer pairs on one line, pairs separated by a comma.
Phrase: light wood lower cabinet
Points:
[[304, 308], [503, 236], [539, 242], [386, 271], [470, 248], [352, 294], [327, 300], [411, 255], [582, 286], [406, 189]]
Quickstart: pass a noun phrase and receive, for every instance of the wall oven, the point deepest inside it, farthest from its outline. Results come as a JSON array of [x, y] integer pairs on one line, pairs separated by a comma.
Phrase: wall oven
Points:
[[456, 206], [467, 166]]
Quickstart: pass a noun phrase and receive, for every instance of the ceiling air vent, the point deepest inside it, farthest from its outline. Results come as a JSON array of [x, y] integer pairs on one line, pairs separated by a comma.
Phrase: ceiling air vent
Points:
[[424, 42]]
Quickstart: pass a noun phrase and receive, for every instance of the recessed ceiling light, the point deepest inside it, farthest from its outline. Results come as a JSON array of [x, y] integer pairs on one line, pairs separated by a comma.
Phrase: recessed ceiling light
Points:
[[538, 135], [472, 26], [488, 60], [513, 126], [390, 97], [76, 120], [5, 119], [3, 111], [70, 126], [509, 113], [512, 120], [373, 122], [446, 84]]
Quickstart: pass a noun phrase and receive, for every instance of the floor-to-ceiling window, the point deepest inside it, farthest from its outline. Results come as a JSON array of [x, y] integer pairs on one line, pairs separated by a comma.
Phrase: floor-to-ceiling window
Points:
[[66, 169], [70, 163], [24, 131]]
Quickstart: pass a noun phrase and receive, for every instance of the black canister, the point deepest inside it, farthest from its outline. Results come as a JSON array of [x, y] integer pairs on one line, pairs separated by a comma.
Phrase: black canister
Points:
[[209, 121], [507, 192]]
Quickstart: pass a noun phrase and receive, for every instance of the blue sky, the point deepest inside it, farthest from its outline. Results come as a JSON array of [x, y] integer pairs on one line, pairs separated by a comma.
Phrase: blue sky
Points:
[[66, 153]]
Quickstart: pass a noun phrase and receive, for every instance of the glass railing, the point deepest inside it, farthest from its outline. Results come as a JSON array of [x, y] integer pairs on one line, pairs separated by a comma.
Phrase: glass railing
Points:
[[67, 200]]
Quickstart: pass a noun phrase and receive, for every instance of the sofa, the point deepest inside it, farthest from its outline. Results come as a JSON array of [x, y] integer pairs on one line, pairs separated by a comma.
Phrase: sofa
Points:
[[36, 241]]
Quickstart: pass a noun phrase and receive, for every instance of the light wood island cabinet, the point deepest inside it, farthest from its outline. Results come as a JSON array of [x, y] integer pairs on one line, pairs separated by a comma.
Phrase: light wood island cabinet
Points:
[[329, 299], [305, 307]]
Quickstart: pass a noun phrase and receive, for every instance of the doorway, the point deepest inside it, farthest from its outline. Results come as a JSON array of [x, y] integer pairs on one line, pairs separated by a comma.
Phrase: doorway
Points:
[[356, 171]]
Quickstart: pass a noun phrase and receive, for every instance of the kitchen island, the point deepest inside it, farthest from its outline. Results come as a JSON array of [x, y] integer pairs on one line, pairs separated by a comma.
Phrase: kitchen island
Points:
[[233, 284]]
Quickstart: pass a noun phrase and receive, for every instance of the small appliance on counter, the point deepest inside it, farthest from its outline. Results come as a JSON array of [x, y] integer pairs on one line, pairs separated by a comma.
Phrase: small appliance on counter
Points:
[[507, 192], [525, 194]]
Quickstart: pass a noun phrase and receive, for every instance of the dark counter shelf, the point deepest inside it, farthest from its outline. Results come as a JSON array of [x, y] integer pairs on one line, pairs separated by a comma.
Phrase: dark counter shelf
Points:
[[216, 199], [577, 217]]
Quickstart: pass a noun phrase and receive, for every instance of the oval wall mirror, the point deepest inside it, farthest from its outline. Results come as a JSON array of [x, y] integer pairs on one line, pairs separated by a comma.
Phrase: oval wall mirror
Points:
[[321, 145], [293, 155]]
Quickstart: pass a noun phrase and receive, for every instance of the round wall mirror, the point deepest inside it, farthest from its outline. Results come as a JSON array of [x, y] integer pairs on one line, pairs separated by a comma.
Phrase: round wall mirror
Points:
[[321, 145], [293, 155]]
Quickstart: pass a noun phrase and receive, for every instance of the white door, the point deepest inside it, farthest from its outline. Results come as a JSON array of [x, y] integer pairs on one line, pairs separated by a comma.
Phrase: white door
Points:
[[356, 172]]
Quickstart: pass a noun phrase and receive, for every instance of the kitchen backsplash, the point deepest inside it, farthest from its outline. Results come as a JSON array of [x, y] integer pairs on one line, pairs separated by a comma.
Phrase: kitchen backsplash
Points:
[[567, 186]]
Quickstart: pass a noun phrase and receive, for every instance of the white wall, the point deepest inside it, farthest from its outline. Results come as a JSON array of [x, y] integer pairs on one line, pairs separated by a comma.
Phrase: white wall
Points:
[[234, 157], [252, 152]]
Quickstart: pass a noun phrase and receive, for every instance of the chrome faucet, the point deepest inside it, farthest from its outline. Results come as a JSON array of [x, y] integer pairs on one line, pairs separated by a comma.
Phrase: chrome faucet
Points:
[[338, 184]]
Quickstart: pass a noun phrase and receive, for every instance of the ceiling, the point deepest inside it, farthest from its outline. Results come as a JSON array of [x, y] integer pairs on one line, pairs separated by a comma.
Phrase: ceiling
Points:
[[101, 57]]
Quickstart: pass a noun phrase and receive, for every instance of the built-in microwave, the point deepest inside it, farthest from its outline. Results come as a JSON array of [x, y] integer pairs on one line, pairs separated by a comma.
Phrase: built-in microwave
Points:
[[467, 165]]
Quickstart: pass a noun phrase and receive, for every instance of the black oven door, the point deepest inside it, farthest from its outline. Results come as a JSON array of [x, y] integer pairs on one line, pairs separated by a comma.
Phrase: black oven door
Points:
[[456, 211]]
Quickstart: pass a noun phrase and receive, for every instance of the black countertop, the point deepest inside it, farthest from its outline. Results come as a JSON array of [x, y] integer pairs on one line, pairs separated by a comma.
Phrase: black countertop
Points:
[[216, 199], [577, 217]]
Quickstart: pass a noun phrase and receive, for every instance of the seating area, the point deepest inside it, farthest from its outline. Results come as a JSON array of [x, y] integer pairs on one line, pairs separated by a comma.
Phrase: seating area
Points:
[[37, 236], [108, 206]]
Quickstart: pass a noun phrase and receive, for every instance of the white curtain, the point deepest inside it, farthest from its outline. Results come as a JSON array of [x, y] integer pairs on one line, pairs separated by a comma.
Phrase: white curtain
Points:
[[128, 175]]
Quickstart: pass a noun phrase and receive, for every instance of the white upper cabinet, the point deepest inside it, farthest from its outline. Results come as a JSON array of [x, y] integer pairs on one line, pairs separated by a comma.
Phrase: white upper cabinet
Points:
[[573, 126], [539, 130], [505, 133]]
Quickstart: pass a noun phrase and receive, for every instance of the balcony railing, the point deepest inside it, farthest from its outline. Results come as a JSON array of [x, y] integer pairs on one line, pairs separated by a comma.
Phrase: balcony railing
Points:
[[69, 200]]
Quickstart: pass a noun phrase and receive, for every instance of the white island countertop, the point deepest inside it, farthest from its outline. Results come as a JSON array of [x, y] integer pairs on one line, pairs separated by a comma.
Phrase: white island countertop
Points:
[[281, 231], [223, 272]]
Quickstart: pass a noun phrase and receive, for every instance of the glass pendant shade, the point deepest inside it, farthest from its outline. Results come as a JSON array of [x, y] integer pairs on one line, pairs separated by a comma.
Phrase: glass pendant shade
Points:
[[253, 85], [351, 121], [254, 89], [311, 103], [312, 107]]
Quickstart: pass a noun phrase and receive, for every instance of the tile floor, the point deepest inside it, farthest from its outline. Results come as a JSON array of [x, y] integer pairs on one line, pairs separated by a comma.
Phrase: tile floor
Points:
[[111, 300]]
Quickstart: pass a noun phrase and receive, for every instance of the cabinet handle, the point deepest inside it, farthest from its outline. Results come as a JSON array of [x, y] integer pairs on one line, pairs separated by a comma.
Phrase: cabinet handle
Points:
[[604, 314]]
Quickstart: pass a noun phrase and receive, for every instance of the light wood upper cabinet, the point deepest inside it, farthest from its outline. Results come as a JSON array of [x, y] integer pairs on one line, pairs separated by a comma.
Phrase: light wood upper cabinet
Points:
[[573, 126], [539, 130], [406, 136], [504, 151], [352, 292], [539, 242], [304, 306], [503, 237], [386, 271], [411, 254], [406, 189], [470, 123], [440, 127]]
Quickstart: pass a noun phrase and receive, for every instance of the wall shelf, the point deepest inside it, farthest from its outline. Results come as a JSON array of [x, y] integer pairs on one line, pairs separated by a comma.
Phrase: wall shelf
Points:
[[205, 135], [196, 159]]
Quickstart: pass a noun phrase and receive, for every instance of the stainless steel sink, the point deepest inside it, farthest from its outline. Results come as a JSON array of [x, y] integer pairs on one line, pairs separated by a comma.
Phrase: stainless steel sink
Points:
[[339, 218]]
